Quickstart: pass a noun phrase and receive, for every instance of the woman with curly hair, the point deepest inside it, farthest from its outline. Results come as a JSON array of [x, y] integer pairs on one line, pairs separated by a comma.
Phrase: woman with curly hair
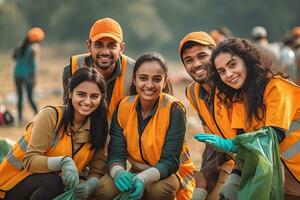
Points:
[[260, 97]]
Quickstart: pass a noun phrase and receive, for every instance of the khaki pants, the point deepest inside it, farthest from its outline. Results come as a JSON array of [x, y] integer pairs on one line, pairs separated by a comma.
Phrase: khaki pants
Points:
[[163, 189], [291, 186]]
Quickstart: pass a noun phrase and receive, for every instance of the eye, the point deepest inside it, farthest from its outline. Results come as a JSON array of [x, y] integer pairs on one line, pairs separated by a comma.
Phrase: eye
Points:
[[232, 65], [95, 96], [112, 45], [188, 61], [221, 72], [143, 78], [98, 44], [157, 80], [81, 94]]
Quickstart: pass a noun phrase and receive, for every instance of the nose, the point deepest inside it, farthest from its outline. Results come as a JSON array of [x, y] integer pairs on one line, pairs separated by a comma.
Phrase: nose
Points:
[[87, 100], [229, 74], [149, 84], [197, 63]]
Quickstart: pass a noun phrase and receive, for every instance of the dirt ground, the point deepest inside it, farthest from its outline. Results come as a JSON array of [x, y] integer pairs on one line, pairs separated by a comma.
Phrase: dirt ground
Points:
[[48, 91]]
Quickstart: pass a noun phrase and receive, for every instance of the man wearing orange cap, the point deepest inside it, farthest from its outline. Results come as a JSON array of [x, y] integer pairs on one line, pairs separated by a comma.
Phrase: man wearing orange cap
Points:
[[105, 45], [195, 50], [27, 55]]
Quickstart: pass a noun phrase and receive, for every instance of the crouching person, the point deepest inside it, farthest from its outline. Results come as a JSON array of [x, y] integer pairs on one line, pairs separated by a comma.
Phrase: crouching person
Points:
[[148, 130], [58, 143]]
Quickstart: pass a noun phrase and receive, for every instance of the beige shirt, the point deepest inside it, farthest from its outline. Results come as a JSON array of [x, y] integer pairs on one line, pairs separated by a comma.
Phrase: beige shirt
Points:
[[42, 136]]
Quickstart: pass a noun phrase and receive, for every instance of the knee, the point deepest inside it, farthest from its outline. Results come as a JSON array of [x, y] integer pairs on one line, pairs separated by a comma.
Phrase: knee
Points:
[[106, 189], [53, 183], [162, 191]]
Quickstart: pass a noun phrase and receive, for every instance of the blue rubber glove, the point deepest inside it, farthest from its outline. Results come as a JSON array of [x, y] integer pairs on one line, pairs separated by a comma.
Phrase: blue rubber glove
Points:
[[70, 175], [87, 188], [219, 143], [138, 188], [123, 180]]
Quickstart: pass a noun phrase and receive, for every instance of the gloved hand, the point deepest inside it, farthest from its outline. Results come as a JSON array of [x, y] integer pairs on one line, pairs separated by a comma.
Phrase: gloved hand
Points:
[[138, 187], [69, 170], [219, 143], [230, 188], [86, 188], [123, 180]]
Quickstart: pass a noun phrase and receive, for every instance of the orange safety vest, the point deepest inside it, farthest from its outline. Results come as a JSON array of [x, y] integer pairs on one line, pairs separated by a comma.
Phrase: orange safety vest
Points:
[[122, 82], [153, 138], [282, 101], [12, 170], [219, 121]]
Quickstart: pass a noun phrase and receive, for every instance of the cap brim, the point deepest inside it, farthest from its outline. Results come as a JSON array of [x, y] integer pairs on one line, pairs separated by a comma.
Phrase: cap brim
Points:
[[201, 42], [102, 35]]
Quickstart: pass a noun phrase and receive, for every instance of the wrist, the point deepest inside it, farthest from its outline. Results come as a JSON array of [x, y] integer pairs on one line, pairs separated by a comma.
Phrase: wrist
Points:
[[115, 169], [149, 175], [54, 163]]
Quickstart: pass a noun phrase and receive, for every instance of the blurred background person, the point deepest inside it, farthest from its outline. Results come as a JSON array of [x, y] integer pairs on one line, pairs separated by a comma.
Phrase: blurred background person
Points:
[[270, 52], [27, 55], [220, 34]]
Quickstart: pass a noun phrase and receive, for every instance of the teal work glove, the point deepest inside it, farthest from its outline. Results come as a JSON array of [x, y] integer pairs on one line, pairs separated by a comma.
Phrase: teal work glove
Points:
[[230, 189], [70, 176], [87, 188], [123, 180], [217, 142], [138, 187]]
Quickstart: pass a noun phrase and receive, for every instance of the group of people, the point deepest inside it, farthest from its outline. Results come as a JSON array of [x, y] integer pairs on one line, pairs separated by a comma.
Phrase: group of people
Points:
[[110, 97]]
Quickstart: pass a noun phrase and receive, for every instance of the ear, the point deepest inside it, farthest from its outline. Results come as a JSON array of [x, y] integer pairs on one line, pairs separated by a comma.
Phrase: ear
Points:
[[88, 44], [122, 46]]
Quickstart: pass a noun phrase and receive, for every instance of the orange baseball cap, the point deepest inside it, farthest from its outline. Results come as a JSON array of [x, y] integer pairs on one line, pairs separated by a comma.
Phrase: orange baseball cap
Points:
[[296, 31], [35, 34], [199, 37], [106, 27]]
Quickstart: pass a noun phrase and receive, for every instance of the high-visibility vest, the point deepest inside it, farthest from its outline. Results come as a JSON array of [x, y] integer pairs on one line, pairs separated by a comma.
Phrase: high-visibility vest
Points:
[[148, 149], [12, 170], [282, 101], [122, 82], [218, 122]]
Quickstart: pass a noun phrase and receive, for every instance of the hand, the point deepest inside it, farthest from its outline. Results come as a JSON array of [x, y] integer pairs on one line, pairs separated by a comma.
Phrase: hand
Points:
[[70, 176], [86, 188], [219, 143], [123, 180], [138, 187], [230, 188]]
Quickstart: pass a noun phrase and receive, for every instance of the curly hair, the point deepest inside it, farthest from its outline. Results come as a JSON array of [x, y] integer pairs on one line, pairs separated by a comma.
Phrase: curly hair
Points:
[[258, 74]]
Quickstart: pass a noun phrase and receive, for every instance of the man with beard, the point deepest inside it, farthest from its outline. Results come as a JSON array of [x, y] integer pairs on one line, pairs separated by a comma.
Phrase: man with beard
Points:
[[105, 45], [195, 50]]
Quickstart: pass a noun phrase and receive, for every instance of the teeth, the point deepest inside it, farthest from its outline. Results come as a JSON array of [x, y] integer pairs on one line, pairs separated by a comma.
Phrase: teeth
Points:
[[233, 80]]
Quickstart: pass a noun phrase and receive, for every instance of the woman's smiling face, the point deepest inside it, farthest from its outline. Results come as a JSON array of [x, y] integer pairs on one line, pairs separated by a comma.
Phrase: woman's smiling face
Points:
[[232, 69]]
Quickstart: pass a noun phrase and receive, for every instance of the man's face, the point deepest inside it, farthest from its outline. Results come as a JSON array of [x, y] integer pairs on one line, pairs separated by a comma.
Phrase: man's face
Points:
[[105, 52], [197, 62]]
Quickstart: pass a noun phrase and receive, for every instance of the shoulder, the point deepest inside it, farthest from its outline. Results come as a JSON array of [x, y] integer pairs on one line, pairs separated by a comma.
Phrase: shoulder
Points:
[[49, 114], [129, 60]]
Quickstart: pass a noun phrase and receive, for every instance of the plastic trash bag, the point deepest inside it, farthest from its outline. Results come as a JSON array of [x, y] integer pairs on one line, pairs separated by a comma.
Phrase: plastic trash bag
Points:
[[68, 195], [259, 160], [4, 149], [122, 196]]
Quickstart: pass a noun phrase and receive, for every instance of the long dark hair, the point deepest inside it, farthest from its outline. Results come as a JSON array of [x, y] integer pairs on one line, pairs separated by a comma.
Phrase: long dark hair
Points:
[[152, 57], [258, 74], [21, 48], [99, 123]]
